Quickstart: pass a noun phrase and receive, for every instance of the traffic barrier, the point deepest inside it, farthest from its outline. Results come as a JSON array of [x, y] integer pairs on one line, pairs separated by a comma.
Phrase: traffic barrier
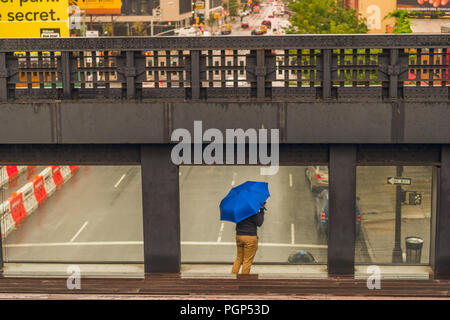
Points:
[[17, 208], [39, 189], [57, 177], [9, 174], [49, 184], [73, 169], [27, 199]]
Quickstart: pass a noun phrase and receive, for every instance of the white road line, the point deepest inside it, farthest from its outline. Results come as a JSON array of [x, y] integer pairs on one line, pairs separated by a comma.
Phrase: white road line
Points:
[[290, 180], [79, 231], [292, 234], [133, 243], [234, 176], [120, 180], [219, 238]]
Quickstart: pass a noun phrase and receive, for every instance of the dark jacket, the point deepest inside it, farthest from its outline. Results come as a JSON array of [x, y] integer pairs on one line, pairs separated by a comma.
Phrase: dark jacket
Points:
[[248, 227]]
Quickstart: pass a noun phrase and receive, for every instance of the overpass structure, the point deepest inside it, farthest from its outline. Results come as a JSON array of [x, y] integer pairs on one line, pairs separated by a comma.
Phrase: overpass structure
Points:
[[338, 100]]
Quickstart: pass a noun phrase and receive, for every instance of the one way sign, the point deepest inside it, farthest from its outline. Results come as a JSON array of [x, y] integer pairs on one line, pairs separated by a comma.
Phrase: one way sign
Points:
[[397, 181]]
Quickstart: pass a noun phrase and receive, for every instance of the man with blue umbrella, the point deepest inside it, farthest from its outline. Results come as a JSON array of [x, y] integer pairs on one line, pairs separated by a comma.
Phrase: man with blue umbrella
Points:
[[245, 205]]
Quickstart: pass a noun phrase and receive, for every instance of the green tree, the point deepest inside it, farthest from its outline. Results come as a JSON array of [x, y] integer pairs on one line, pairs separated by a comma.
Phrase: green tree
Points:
[[234, 6], [324, 16], [402, 21]]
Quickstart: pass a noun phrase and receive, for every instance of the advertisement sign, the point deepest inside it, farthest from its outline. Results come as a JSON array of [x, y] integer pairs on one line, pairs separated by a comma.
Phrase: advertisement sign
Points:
[[375, 12], [30, 19], [98, 7], [424, 5]]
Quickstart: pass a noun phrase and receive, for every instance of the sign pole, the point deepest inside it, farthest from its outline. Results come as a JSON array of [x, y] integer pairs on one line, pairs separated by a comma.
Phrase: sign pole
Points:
[[397, 255]]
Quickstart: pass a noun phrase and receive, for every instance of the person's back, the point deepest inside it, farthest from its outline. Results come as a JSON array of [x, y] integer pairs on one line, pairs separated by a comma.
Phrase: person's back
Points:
[[249, 226]]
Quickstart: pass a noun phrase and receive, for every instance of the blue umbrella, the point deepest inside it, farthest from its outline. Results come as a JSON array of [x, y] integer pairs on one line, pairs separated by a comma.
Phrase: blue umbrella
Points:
[[244, 201]]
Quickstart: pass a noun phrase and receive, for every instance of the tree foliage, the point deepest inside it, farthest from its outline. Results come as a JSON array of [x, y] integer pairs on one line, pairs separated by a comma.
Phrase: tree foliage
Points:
[[324, 16], [234, 6], [402, 21]]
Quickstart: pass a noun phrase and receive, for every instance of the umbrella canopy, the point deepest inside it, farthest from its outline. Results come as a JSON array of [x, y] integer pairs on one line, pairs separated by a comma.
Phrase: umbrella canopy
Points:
[[244, 201]]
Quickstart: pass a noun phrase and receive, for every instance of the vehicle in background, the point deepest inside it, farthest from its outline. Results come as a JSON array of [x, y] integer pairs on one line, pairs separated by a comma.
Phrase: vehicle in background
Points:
[[301, 257], [225, 29], [256, 9], [207, 33], [317, 177], [245, 25], [321, 215], [188, 32], [267, 23], [270, 16], [260, 30]]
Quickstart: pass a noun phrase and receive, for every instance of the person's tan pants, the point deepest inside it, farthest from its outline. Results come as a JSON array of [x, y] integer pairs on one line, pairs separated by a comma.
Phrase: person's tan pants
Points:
[[246, 250]]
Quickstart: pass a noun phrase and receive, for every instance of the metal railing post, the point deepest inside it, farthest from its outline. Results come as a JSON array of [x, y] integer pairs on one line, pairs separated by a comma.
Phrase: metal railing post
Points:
[[130, 75], [195, 74], [66, 75], [3, 77], [326, 81], [393, 71], [260, 74]]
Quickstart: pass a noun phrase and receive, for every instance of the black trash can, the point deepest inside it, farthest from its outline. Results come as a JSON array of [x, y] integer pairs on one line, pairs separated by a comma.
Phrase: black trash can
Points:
[[413, 249]]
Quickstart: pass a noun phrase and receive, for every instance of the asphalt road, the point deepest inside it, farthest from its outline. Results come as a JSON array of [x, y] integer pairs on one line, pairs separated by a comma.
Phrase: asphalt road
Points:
[[97, 217], [92, 217]]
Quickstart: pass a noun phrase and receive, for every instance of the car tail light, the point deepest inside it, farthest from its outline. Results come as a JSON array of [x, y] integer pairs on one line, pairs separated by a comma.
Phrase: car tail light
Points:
[[318, 176], [323, 217], [358, 218]]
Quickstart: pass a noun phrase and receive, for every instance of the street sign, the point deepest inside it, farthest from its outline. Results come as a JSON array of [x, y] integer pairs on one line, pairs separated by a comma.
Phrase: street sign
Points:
[[399, 181]]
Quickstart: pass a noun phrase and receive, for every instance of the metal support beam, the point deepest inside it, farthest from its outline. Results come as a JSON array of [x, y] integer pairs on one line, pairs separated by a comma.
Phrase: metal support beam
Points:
[[341, 210], [442, 240], [161, 207]]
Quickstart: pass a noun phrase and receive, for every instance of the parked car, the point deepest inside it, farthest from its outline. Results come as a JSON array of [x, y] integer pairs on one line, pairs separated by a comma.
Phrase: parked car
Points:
[[244, 25], [321, 214], [301, 257], [317, 177], [267, 23]]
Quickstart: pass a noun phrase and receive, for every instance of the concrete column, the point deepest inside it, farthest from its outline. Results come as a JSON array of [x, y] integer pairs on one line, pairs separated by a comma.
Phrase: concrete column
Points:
[[161, 208], [341, 210]]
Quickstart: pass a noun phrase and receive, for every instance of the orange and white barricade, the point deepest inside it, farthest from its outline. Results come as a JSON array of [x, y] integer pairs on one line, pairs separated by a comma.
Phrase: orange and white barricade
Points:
[[49, 184]]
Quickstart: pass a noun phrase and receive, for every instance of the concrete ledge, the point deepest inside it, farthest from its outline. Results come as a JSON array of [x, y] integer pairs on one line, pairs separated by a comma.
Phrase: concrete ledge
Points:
[[60, 270], [396, 272]]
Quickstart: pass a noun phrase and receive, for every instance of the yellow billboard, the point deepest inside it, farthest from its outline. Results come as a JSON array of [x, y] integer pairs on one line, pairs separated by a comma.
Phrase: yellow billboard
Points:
[[34, 18], [94, 7]]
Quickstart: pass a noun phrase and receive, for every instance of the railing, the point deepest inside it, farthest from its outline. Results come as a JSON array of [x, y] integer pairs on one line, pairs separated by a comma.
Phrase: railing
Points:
[[290, 68]]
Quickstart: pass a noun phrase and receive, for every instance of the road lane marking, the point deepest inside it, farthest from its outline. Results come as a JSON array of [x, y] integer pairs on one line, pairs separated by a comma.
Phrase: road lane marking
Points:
[[292, 233], [234, 177], [290, 180], [79, 231], [133, 243], [219, 238], [120, 180]]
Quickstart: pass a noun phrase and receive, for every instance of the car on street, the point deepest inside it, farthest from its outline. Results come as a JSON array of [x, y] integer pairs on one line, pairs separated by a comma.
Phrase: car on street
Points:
[[260, 30], [317, 177], [244, 25], [267, 23], [270, 16], [225, 29], [321, 215]]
